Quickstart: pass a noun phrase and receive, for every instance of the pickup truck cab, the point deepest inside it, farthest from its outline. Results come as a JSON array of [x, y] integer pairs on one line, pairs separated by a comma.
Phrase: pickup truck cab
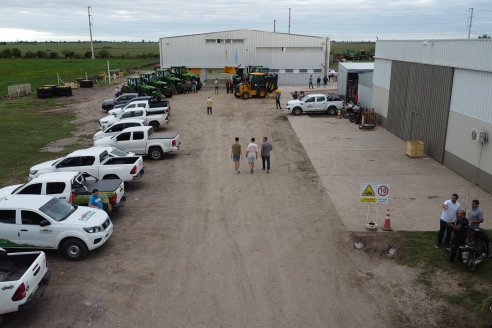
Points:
[[121, 100], [24, 277], [95, 161], [140, 102], [155, 117], [315, 103], [45, 222], [143, 141], [149, 98], [119, 126], [73, 187]]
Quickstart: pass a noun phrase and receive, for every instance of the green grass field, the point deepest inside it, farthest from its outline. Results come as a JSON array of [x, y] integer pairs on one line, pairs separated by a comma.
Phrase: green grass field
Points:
[[341, 47], [117, 49], [44, 71]]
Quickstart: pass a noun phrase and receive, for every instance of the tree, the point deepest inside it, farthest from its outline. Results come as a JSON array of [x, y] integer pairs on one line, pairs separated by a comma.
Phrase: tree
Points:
[[103, 54], [6, 53], [29, 54], [68, 53], [16, 52], [88, 54], [54, 55], [484, 36], [41, 54]]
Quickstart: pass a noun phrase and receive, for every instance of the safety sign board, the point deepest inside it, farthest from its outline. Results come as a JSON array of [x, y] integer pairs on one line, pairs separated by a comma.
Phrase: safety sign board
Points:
[[374, 193]]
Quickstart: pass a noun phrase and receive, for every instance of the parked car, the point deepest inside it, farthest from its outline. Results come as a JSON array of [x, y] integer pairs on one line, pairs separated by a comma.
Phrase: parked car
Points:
[[155, 117], [74, 187], [24, 277], [45, 222], [121, 100], [143, 141], [315, 103], [95, 161], [119, 126]]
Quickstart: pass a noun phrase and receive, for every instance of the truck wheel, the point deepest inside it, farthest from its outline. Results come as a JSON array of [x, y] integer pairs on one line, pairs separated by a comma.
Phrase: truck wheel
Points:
[[110, 177], [245, 95], [156, 153], [332, 110], [262, 93], [155, 125], [74, 249], [297, 111]]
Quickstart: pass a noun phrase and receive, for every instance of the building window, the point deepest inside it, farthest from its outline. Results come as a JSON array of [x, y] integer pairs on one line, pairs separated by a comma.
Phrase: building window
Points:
[[303, 70], [317, 70], [289, 70], [210, 41], [274, 70], [237, 40]]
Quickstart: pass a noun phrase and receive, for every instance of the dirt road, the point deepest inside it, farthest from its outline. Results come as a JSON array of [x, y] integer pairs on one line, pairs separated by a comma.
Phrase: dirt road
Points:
[[200, 246]]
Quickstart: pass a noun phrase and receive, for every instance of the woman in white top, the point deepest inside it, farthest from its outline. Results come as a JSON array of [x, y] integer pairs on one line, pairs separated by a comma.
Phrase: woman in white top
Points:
[[252, 154]]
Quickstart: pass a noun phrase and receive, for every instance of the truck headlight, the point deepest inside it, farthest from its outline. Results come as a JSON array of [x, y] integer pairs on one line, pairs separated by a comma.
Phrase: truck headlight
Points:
[[93, 229]]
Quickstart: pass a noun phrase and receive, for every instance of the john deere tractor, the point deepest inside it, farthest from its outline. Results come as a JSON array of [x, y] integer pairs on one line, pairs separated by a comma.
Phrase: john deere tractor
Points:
[[135, 84], [150, 78], [181, 72], [256, 85], [165, 75]]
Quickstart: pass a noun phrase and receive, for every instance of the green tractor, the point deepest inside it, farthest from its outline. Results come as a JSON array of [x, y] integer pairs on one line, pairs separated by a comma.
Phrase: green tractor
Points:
[[150, 78], [135, 84], [165, 75], [182, 73]]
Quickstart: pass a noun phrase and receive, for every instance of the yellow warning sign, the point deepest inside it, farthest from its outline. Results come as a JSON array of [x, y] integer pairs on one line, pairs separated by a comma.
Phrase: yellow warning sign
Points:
[[368, 192], [368, 200]]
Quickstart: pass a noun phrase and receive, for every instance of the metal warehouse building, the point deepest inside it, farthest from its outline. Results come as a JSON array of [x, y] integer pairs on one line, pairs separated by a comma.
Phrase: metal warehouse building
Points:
[[439, 91], [293, 57], [355, 82]]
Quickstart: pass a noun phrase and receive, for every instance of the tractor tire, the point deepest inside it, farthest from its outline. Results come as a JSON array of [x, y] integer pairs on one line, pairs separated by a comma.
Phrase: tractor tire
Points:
[[45, 92], [86, 84], [180, 88], [167, 92], [261, 92], [199, 86], [245, 95], [63, 91]]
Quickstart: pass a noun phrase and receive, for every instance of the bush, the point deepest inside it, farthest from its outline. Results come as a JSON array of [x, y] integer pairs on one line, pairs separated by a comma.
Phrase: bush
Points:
[[29, 54], [68, 53], [17, 53], [103, 54], [6, 53], [54, 55], [41, 54]]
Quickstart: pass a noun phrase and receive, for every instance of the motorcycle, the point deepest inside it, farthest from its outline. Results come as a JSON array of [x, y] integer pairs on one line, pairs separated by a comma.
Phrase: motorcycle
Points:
[[351, 111], [477, 251]]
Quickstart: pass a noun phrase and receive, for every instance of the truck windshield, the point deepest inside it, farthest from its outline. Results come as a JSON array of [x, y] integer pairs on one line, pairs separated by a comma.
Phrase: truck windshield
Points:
[[57, 209]]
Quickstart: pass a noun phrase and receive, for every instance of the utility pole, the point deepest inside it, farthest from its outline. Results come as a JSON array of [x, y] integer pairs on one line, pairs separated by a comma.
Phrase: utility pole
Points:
[[90, 31], [289, 20], [470, 22], [274, 21]]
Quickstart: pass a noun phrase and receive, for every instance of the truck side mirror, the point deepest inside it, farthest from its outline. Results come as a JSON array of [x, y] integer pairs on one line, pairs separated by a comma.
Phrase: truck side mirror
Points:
[[44, 223]]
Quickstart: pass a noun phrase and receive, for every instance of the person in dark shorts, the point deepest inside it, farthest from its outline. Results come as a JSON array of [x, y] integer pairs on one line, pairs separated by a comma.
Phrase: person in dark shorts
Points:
[[236, 154], [265, 150]]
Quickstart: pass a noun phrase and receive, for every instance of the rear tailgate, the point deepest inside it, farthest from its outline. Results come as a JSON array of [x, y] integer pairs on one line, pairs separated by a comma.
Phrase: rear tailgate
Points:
[[34, 279]]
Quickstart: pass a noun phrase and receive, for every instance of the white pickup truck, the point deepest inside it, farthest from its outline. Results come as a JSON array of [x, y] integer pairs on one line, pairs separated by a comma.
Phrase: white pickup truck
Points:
[[315, 103], [45, 222], [24, 277], [119, 126], [155, 117], [73, 187], [97, 162], [143, 141], [147, 102]]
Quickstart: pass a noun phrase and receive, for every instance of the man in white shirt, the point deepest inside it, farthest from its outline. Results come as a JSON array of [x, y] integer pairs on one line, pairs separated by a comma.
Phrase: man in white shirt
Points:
[[448, 216]]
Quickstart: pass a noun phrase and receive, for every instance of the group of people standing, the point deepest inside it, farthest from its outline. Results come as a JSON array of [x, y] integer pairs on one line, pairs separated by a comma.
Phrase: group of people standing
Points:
[[457, 223], [252, 154], [191, 86]]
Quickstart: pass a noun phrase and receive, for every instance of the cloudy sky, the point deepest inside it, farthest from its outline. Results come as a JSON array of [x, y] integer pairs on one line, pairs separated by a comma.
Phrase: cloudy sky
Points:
[[150, 19]]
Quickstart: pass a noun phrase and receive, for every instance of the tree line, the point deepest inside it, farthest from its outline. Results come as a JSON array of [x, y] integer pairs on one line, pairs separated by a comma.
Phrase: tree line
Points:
[[69, 54]]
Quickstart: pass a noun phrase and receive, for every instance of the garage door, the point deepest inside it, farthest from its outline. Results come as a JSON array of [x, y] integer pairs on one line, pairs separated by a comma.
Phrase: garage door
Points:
[[418, 107]]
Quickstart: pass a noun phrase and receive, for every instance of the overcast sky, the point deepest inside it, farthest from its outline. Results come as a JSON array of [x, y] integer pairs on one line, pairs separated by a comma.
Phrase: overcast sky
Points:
[[67, 20]]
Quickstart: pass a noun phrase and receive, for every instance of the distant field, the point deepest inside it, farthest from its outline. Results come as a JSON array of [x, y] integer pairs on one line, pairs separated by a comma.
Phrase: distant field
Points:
[[44, 71], [341, 47], [117, 49]]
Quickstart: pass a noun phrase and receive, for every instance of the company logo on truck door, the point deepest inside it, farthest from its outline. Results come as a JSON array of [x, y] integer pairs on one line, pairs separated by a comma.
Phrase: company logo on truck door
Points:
[[86, 216]]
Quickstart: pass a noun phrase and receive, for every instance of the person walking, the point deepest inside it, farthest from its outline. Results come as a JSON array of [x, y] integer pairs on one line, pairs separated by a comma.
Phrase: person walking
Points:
[[265, 150], [460, 229], [318, 82], [216, 86], [252, 154], [209, 105], [449, 209], [193, 86], [325, 81], [311, 82], [277, 100], [236, 154], [116, 92], [95, 200]]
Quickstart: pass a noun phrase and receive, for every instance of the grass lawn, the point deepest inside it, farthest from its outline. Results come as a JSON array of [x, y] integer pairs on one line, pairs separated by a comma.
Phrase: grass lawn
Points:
[[44, 71]]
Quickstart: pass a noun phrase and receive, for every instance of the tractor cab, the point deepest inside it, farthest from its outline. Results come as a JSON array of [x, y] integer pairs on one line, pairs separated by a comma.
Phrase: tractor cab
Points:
[[256, 85]]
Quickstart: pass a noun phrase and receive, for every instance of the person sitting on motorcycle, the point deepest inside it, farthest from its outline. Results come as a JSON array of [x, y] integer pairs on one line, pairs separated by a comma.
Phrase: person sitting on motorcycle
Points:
[[460, 229]]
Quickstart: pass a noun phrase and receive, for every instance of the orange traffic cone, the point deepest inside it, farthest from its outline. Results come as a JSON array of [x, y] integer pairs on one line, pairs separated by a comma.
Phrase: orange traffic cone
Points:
[[387, 221]]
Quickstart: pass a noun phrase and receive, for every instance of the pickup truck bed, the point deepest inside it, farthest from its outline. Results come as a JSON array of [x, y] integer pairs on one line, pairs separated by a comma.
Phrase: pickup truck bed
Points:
[[163, 135]]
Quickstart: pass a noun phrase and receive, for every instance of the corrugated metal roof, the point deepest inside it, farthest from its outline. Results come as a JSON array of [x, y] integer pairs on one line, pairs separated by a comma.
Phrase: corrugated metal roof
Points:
[[358, 67], [242, 30]]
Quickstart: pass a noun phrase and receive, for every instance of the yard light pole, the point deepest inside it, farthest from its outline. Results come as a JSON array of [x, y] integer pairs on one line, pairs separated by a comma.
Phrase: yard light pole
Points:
[[90, 32]]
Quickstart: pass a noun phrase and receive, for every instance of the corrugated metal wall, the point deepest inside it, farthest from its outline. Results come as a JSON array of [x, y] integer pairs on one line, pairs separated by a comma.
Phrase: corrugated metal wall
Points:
[[472, 54], [365, 89], [472, 94], [382, 73], [418, 106], [297, 79], [342, 80]]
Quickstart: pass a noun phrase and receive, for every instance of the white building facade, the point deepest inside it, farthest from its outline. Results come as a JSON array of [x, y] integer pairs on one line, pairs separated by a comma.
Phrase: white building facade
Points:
[[293, 57], [439, 91]]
